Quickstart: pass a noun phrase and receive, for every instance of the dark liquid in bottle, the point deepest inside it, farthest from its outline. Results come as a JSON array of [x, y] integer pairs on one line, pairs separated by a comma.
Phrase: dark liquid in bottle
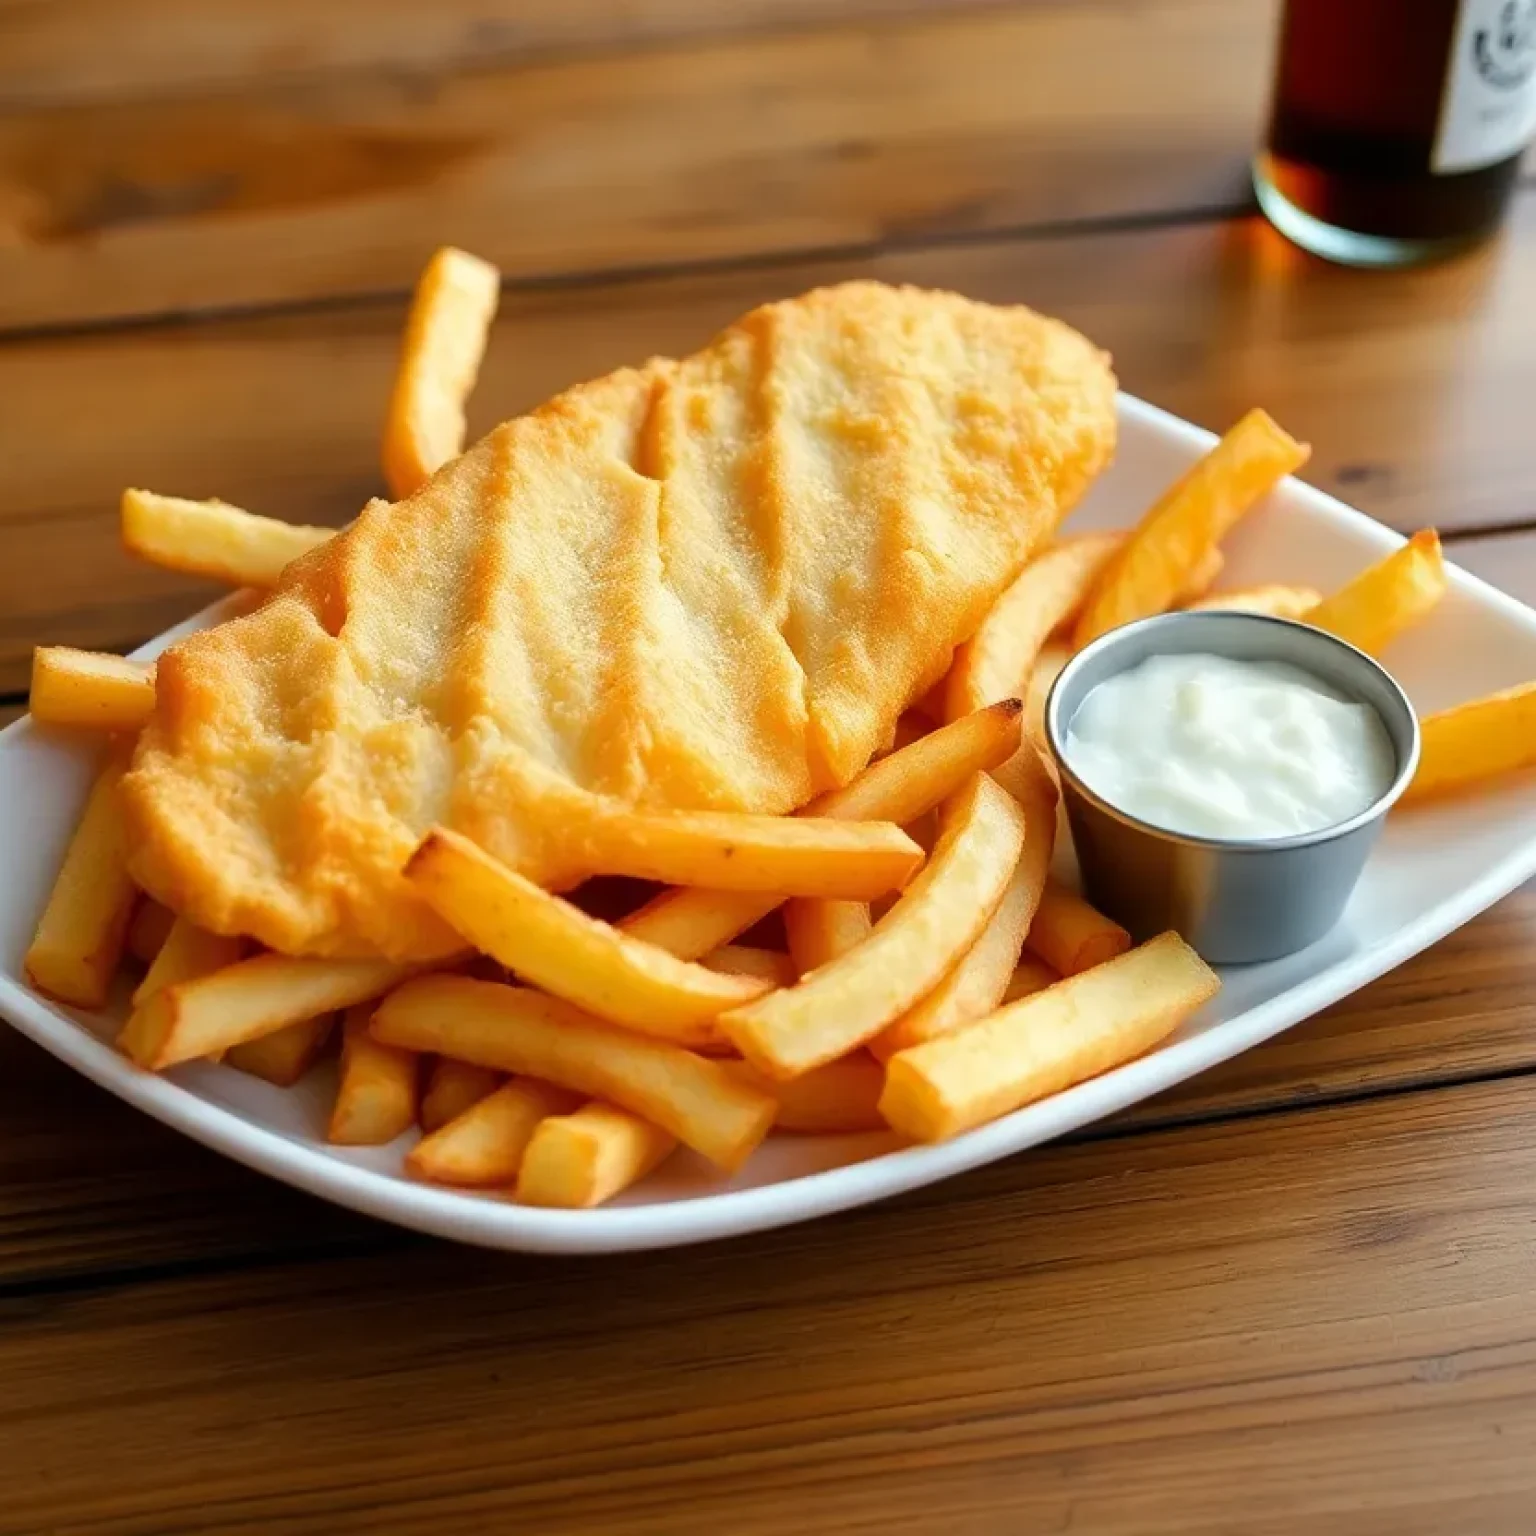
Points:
[[1358, 97]]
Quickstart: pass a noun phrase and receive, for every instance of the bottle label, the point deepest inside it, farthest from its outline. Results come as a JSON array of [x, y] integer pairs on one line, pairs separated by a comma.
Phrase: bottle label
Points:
[[1488, 109]]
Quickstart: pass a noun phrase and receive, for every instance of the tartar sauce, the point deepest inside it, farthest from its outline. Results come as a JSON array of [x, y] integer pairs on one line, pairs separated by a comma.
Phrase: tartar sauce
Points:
[[1232, 749]]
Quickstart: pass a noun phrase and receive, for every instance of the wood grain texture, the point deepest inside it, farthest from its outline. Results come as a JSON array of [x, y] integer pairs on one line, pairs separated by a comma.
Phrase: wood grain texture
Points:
[[1316, 1322], [90, 1186], [832, 137], [282, 414], [138, 47]]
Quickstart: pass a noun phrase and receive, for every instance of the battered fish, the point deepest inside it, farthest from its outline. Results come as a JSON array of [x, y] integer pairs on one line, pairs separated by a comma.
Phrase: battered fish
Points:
[[708, 583]]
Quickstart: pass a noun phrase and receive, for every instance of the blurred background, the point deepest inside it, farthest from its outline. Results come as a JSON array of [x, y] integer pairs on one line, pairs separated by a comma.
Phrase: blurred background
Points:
[[211, 213]]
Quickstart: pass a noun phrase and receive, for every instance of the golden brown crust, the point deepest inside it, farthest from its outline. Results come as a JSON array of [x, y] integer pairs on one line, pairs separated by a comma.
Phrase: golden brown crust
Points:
[[712, 582]]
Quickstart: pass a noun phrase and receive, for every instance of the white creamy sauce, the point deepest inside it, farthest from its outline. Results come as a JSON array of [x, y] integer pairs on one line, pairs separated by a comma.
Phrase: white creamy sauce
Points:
[[1233, 749]]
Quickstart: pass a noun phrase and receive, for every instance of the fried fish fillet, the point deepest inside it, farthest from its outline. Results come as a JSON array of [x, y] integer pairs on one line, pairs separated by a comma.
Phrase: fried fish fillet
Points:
[[707, 583]]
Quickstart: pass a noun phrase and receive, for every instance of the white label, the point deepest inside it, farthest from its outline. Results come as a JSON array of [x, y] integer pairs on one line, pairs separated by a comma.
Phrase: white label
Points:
[[1489, 109]]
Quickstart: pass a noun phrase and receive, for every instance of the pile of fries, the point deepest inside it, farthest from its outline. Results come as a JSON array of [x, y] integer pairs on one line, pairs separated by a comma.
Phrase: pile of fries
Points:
[[979, 987]]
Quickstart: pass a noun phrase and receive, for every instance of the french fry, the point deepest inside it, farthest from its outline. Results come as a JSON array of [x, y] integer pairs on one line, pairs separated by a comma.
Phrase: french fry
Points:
[[747, 960], [1204, 576], [906, 784], [981, 977], [1157, 562], [819, 932], [376, 1092], [80, 936], [1030, 975], [838, 1096], [1077, 1029], [188, 952], [211, 538], [148, 929], [284, 1056], [445, 338], [90, 689], [937, 919], [786, 855], [1386, 598], [996, 661], [1072, 936], [1476, 741], [551, 943], [582, 1159], [245, 1001], [453, 1087], [1278, 601], [1042, 678], [483, 1145], [690, 922], [515, 1029]]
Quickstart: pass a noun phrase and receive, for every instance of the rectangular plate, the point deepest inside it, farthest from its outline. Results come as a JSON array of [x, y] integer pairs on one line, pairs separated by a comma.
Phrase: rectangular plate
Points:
[[1434, 869]]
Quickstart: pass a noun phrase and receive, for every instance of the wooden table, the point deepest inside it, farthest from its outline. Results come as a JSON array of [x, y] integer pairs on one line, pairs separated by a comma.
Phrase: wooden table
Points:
[[1293, 1296]]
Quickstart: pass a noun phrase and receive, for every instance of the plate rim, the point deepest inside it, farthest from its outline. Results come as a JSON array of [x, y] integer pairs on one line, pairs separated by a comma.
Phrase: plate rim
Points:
[[489, 1222]]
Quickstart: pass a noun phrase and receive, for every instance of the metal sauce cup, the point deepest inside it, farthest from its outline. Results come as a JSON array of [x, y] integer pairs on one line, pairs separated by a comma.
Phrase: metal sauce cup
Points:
[[1234, 899]]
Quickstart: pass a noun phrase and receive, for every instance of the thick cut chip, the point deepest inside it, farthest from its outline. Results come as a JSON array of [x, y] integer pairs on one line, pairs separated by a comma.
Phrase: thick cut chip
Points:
[[376, 1090], [1160, 562], [996, 662], [690, 922], [149, 929], [1072, 936], [548, 941], [819, 931], [90, 689], [284, 1056], [1042, 1044], [522, 1031], [452, 1087], [1385, 598], [841, 1095], [1204, 576], [82, 931], [1031, 975], [981, 978], [853, 998], [1476, 741], [212, 538], [209, 1014], [711, 584], [582, 1159], [746, 960], [483, 1145], [445, 339], [188, 952], [788, 855]]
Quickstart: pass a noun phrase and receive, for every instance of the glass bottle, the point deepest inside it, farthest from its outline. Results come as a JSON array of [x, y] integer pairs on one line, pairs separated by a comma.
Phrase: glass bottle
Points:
[[1397, 126]]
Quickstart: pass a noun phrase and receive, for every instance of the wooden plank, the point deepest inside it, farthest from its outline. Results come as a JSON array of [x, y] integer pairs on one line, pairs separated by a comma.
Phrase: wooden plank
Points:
[[282, 414], [835, 137], [1316, 1322], [78, 49], [89, 1185]]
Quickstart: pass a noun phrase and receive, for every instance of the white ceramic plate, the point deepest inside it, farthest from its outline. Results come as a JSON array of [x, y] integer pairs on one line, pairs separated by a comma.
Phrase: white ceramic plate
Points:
[[1433, 870]]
